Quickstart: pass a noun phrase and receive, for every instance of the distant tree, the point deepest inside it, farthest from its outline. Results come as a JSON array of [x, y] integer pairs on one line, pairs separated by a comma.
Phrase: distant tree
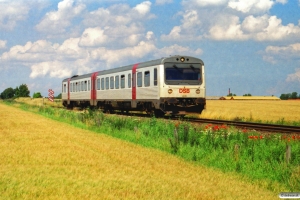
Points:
[[283, 97], [230, 95], [249, 95], [17, 92], [58, 96], [37, 95], [294, 95], [8, 93], [23, 91]]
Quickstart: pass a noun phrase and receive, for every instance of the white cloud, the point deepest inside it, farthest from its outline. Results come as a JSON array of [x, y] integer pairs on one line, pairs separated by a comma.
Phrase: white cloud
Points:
[[253, 6], [93, 37], [231, 20], [3, 44], [203, 3], [190, 28], [143, 8], [162, 2], [228, 28], [292, 50], [273, 54], [56, 22], [11, 12], [294, 77], [177, 50]]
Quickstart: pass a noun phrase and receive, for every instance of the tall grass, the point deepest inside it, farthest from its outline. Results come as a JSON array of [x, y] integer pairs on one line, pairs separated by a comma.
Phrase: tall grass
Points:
[[256, 156]]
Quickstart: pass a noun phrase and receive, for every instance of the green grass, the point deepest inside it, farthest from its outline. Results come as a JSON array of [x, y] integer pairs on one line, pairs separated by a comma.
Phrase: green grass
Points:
[[258, 157]]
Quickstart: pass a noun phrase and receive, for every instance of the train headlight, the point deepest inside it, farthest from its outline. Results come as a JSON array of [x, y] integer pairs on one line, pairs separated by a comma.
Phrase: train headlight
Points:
[[198, 91], [182, 59], [170, 91]]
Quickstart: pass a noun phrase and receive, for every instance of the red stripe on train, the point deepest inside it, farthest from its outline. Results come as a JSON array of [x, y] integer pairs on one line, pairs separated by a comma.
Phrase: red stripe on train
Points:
[[134, 81], [69, 88], [93, 86]]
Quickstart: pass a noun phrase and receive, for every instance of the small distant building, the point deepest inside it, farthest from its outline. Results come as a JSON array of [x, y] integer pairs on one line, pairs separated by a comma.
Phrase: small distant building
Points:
[[249, 98], [213, 97]]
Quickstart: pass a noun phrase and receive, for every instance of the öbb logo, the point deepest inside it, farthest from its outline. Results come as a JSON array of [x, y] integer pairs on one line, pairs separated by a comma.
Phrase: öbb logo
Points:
[[184, 90]]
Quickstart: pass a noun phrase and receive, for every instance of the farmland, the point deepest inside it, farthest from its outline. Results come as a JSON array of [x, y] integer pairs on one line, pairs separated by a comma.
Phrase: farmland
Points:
[[254, 110], [45, 159]]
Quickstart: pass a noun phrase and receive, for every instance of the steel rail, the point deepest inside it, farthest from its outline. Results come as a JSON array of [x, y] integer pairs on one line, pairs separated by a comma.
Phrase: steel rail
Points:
[[251, 125]]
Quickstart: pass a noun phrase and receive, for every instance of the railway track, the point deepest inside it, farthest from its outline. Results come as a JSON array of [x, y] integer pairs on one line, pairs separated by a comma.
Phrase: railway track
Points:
[[274, 128], [251, 125]]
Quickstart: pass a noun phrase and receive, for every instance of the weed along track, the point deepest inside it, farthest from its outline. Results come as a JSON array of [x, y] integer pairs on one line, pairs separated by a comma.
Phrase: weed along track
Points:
[[73, 158]]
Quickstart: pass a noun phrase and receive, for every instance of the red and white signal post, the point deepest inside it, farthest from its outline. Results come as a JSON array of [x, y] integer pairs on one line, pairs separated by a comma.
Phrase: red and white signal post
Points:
[[51, 95]]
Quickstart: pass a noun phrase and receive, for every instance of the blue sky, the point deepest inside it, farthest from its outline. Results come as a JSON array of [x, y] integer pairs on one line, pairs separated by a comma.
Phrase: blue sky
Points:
[[247, 46]]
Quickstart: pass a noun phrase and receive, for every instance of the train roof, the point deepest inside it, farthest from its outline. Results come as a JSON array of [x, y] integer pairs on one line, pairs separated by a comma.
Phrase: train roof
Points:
[[160, 61]]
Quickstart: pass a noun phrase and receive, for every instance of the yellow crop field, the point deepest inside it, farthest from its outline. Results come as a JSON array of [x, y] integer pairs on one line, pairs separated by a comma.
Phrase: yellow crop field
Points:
[[265, 110], [39, 101], [46, 159]]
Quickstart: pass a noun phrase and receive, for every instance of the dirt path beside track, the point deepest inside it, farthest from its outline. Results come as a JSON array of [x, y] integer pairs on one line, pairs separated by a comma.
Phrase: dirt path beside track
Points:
[[44, 159]]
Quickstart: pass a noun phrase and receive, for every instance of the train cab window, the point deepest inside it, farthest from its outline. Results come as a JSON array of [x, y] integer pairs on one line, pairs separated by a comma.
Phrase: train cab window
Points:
[[107, 83], [102, 83], [139, 79], [71, 87], [155, 76], [98, 83], [122, 81], [65, 88], [147, 79], [111, 82], [117, 82], [129, 80]]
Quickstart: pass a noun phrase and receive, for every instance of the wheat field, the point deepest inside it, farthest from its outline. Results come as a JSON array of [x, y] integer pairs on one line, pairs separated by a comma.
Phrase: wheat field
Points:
[[46, 159], [265, 110]]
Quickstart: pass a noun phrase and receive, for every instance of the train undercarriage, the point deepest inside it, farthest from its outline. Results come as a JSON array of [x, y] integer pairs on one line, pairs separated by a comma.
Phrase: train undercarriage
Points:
[[161, 107]]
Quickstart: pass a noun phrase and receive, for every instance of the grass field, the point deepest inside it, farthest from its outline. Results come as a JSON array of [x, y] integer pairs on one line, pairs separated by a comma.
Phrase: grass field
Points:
[[46, 159], [254, 110]]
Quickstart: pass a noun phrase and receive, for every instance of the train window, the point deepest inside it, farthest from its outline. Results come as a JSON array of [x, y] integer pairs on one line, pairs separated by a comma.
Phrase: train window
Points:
[[74, 87], [82, 86], [65, 88], [111, 82], [155, 76], [147, 79], [139, 79], [117, 82], [77, 87], [107, 83], [122, 81], [98, 83], [85, 85], [102, 83], [129, 80]]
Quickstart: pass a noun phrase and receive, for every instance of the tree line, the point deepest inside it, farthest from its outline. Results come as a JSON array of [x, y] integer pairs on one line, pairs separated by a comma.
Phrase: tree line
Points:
[[21, 91], [293, 95]]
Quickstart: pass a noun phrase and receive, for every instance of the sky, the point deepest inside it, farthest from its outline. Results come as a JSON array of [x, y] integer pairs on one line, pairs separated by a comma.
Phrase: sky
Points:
[[247, 46]]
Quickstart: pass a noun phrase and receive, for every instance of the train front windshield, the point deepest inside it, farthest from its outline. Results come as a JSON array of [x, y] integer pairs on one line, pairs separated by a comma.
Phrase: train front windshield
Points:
[[182, 73]]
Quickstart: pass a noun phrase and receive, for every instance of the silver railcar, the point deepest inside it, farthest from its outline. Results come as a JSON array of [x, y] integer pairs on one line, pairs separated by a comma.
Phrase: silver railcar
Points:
[[172, 85]]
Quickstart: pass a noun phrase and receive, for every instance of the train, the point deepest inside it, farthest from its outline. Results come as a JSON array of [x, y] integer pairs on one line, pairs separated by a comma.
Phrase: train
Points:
[[172, 85]]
